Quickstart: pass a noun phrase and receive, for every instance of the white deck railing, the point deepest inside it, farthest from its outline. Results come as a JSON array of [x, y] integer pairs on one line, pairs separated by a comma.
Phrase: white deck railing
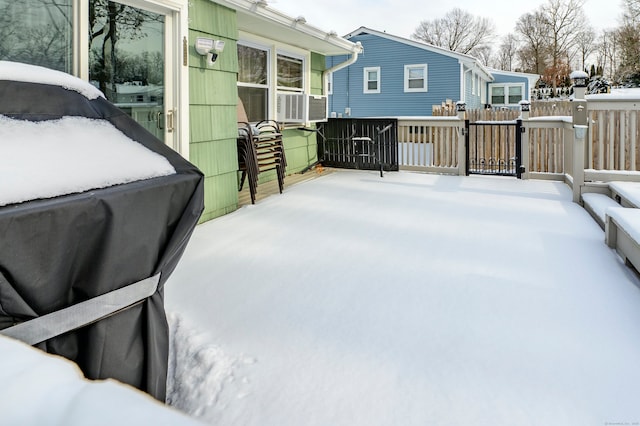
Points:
[[545, 147], [431, 144], [436, 145], [551, 150], [614, 130]]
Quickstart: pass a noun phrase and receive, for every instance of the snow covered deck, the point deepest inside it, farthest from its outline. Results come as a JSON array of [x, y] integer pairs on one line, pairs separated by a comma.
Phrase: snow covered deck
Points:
[[412, 299]]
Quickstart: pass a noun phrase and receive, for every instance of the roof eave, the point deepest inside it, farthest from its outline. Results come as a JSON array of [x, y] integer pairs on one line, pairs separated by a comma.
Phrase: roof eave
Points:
[[278, 26], [461, 57]]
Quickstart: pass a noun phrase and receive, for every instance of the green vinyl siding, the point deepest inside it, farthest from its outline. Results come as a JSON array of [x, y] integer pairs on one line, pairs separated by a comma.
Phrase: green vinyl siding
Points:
[[213, 97], [212, 18], [211, 87], [212, 112], [301, 149], [218, 199], [215, 158], [212, 122], [318, 65]]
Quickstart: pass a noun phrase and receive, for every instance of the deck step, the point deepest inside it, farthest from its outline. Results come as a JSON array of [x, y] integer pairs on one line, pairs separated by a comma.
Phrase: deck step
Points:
[[627, 194], [597, 204]]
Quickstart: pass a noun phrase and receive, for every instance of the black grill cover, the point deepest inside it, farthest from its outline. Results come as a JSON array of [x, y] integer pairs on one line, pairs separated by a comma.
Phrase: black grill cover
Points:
[[60, 251]]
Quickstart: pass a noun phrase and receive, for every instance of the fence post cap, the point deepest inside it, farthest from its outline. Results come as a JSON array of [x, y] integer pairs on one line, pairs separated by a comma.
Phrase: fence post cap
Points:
[[579, 78], [525, 105]]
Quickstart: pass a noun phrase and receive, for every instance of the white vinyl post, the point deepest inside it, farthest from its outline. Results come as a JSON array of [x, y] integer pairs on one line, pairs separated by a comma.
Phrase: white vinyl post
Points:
[[580, 127]]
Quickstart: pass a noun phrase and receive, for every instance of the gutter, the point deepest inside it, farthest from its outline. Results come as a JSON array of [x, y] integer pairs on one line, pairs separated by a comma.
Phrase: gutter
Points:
[[261, 10], [350, 61], [325, 88]]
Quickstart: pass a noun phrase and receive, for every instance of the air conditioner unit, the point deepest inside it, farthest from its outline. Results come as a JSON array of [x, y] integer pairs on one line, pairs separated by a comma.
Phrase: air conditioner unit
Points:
[[301, 108]]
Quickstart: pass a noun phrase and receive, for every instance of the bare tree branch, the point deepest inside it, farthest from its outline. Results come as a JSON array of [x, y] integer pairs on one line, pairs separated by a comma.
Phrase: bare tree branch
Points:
[[458, 31]]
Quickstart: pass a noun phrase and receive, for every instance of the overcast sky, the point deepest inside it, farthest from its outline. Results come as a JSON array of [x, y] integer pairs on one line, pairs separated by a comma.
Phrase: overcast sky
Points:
[[401, 17]]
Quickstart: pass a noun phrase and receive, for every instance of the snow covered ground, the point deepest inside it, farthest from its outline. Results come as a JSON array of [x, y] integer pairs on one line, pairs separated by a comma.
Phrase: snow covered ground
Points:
[[412, 299], [40, 389]]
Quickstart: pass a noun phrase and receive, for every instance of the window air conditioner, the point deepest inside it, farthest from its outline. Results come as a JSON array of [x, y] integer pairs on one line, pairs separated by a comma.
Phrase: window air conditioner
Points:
[[301, 108]]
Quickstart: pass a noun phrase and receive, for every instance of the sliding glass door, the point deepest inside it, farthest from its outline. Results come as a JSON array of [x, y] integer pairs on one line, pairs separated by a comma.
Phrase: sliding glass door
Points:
[[127, 57]]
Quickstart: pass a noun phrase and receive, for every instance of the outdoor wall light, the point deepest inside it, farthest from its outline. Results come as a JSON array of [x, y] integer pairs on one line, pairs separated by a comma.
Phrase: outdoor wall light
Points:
[[579, 78], [580, 131], [209, 48]]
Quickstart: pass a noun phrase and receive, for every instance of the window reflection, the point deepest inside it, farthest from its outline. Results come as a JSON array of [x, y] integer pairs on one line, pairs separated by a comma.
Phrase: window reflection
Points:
[[37, 32]]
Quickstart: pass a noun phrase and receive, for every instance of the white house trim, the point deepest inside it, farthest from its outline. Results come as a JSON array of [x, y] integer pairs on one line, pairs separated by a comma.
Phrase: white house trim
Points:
[[506, 86], [365, 80], [425, 76], [259, 18]]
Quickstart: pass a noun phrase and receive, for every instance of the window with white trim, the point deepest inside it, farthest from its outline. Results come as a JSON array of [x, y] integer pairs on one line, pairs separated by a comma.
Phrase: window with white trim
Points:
[[253, 81], [290, 73], [372, 80], [506, 94], [257, 84], [38, 33], [415, 78]]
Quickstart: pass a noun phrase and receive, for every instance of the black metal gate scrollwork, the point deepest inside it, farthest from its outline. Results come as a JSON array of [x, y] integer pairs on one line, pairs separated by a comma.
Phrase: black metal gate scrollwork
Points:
[[494, 148]]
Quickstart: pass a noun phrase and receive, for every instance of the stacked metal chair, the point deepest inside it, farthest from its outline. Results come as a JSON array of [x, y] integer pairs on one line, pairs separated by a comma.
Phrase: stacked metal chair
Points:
[[260, 149], [247, 159], [270, 150]]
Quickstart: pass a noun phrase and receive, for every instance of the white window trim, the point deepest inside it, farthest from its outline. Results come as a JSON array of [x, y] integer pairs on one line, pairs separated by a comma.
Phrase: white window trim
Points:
[[305, 71], [365, 84], [269, 56], [270, 89], [425, 68], [506, 92], [275, 48], [177, 18]]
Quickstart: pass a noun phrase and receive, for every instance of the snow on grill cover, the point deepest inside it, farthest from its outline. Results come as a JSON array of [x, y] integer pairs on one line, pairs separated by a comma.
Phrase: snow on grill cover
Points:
[[57, 250]]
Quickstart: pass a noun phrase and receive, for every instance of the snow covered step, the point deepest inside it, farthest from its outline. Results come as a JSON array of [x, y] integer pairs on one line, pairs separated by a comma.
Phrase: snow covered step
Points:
[[597, 204], [622, 232], [626, 193]]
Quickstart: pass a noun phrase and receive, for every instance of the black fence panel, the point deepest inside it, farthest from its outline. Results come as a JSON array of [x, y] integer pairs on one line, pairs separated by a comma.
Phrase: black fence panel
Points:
[[359, 143]]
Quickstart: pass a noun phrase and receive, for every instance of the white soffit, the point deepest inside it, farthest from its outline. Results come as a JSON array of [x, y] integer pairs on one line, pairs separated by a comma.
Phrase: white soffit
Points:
[[257, 18]]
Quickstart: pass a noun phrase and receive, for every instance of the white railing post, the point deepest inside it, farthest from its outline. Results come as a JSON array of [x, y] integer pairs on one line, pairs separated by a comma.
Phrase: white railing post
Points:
[[580, 127], [525, 111], [461, 109]]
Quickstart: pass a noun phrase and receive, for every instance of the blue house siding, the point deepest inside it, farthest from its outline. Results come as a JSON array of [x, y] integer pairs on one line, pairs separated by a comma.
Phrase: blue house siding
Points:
[[443, 80], [338, 103], [505, 78], [502, 78], [473, 99], [450, 76]]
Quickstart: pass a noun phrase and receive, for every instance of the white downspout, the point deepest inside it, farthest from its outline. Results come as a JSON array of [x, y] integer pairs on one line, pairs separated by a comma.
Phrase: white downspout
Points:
[[350, 61], [462, 82]]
